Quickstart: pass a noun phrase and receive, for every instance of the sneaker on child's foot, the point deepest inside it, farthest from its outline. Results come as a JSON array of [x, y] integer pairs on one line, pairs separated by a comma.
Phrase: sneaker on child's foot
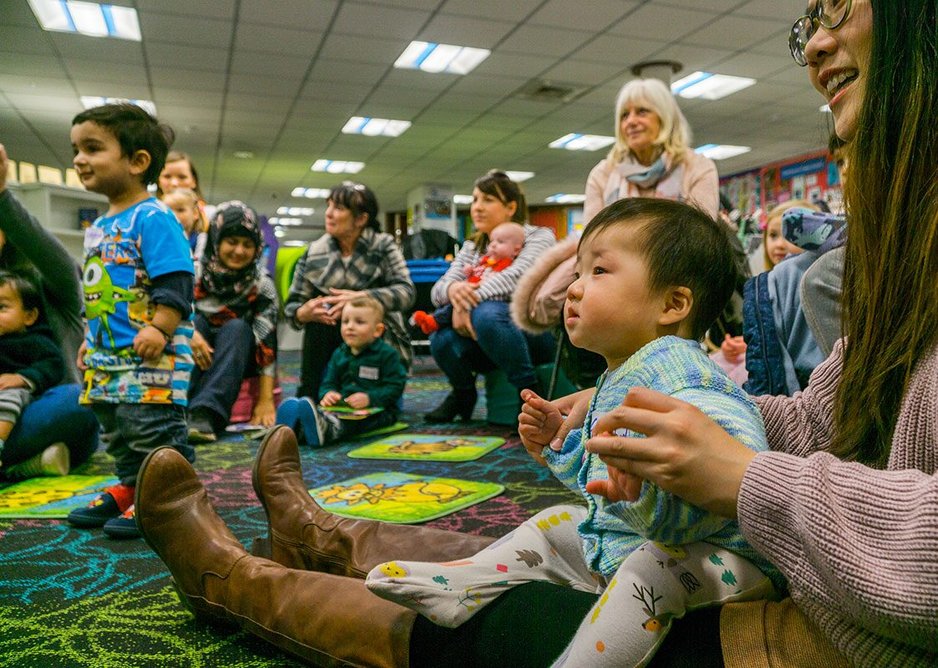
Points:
[[122, 526], [317, 427], [105, 506], [53, 461]]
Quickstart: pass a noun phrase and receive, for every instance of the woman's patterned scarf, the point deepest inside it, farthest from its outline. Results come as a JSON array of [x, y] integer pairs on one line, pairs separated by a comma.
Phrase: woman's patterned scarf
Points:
[[223, 294]]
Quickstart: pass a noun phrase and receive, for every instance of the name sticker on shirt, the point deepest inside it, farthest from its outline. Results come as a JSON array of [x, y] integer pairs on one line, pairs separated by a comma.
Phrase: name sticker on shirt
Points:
[[368, 372]]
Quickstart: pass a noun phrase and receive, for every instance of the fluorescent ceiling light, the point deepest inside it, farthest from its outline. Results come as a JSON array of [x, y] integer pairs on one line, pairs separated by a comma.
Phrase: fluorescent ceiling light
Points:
[[90, 101], [295, 211], [709, 86], [564, 198], [578, 142], [721, 151], [87, 18], [311, 193], [433, 57], [518, 177], [337, 166], [462, 199], [373, 127], [285, 221]]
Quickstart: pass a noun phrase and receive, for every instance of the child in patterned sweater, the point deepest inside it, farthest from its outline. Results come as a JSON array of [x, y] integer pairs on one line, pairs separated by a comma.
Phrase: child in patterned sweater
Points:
[[652, 275]]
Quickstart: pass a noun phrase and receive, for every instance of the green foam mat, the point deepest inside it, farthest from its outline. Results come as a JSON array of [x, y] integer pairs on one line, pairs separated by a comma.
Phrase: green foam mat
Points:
[[402, 498], [429, 447], [51, 498]]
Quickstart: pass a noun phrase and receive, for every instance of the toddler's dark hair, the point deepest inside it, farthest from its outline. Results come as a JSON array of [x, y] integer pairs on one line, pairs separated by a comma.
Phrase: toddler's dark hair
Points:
[[135, 130], [24, 287], [682, 246]]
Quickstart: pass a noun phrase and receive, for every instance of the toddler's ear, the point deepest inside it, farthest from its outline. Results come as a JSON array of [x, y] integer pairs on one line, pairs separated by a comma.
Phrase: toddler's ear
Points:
[[140, 161], [678, 302]]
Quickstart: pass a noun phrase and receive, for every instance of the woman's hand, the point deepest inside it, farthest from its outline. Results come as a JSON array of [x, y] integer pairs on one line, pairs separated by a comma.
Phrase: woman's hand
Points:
[[462, 295], [330, 398], [684, 452], [339, 298], [462, 323], [202, 352], [541, 422], [317, 309], [733, 347]]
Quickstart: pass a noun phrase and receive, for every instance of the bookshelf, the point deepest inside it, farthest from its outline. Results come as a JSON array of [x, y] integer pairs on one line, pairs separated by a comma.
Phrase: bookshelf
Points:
[[56, 208]]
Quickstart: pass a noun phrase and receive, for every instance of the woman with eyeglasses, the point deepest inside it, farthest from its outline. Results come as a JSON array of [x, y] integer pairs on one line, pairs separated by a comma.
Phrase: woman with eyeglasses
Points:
[[846, 506], [352, 259]]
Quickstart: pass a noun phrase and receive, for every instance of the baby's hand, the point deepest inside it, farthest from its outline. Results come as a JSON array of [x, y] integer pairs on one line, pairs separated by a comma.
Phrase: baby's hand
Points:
[[358, 400], [620, 486], [538, 423], [330, 398], [733, 347], [10, 381]]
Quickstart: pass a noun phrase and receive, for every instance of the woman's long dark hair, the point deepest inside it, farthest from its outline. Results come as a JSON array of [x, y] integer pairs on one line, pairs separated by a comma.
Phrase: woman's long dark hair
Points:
[[891, 269], [499, 185]]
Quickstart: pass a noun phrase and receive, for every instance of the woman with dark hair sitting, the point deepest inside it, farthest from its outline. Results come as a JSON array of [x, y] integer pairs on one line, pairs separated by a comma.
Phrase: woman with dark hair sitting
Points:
[[352, 259], [483, 336]]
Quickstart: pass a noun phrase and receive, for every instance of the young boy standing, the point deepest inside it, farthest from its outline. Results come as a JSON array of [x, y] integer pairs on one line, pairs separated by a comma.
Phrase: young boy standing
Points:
[[137, 278], [652, 276], [364, 372], [30, 363]]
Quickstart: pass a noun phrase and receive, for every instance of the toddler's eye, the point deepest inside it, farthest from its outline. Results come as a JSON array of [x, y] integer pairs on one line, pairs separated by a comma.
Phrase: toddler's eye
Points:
[[598, 270]]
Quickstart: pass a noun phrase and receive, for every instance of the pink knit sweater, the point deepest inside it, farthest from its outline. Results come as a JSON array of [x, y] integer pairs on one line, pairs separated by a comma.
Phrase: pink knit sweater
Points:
[[858, 545]]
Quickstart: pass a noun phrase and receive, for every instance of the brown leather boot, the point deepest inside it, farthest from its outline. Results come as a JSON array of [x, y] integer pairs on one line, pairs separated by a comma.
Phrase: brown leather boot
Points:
[[323, 619], [303, 535]]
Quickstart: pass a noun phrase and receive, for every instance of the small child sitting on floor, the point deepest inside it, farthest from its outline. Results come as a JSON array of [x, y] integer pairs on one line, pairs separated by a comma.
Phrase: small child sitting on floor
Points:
[[505, 242], [30, 363], [363, 373], [652, 276]]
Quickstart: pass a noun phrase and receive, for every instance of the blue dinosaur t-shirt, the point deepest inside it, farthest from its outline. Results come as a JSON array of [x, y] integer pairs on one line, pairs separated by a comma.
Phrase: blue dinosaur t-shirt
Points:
[[122, 254]]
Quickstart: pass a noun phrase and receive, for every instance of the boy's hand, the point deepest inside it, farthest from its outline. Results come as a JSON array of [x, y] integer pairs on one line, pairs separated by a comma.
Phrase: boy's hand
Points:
[[10, 381], [80, 362], [620, 486], [265, 413], [330, 398], [358, 400], [149, 343], [538, 424]]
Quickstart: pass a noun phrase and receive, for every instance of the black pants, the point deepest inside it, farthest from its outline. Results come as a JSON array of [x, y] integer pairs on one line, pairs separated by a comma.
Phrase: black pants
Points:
[[319, 342]]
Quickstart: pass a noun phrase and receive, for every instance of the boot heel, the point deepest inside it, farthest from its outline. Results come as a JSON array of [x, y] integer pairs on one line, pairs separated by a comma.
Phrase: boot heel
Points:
[[202, 610]]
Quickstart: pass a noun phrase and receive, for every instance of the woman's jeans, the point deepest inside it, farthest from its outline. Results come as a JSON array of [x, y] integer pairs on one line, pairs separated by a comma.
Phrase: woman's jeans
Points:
[[499, 344], [216, 389], [55, 417], [319, 342]]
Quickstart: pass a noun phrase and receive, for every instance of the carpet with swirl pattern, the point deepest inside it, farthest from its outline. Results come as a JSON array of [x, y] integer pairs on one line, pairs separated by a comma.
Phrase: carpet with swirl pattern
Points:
[[73, 597]]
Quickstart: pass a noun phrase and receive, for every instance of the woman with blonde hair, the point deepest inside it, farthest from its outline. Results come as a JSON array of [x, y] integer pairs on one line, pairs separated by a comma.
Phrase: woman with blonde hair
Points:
[[652, 156]]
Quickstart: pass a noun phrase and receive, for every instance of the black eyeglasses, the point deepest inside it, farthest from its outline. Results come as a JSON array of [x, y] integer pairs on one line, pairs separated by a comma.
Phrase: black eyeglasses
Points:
[[829, 14]]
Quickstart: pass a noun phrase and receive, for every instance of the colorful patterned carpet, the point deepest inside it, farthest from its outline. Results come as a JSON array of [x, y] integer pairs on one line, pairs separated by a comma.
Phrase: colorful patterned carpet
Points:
[[71, 597]]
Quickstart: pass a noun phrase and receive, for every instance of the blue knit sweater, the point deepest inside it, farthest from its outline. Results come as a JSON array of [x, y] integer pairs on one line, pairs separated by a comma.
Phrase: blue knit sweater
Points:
[[613, 530]]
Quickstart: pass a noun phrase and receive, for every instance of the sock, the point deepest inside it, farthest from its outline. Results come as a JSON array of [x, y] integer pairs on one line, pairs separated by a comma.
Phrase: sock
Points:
[[425, 321], [123, 495], [546, 547]]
